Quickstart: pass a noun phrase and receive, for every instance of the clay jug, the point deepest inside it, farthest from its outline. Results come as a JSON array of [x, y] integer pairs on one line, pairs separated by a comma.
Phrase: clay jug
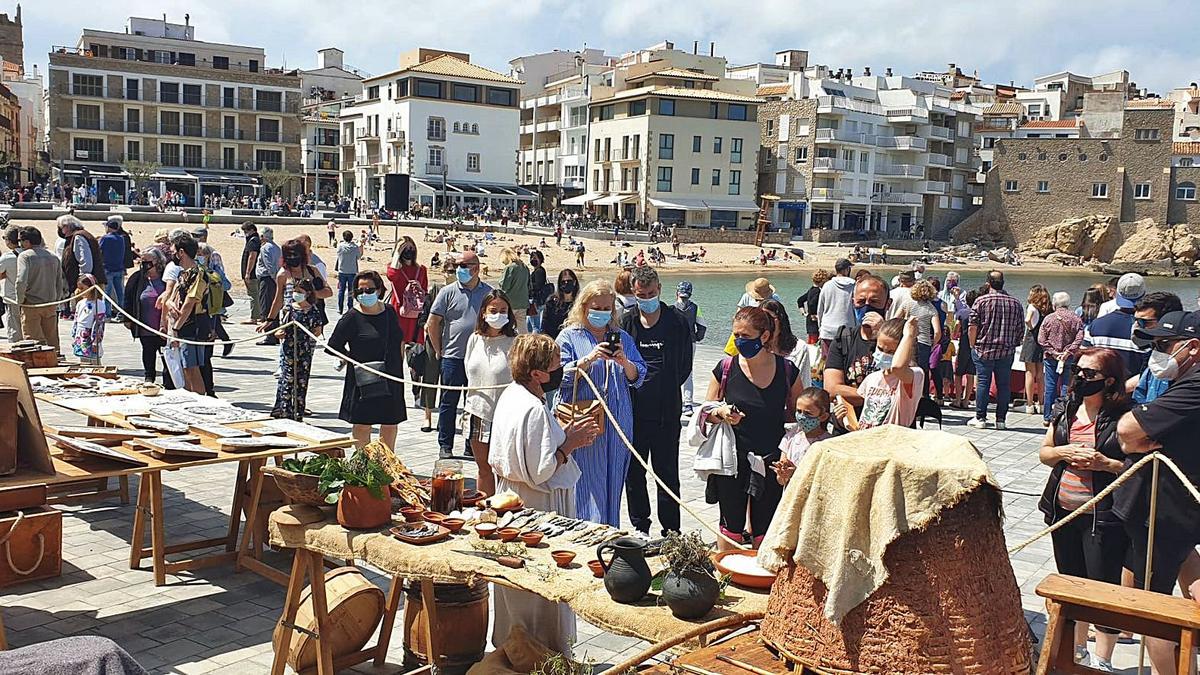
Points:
[[626, 576]]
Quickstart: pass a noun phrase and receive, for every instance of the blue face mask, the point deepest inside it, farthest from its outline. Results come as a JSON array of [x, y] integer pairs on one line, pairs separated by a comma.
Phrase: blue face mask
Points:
[[649, 306], [748, 347], [201, 260], [883, 361], [463, 274], [368, 299], [807, 422], [599, 317], [860, 313]]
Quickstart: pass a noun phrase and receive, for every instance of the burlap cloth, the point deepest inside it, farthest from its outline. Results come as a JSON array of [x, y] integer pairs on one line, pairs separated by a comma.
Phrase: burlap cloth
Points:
[[853, 495], [445, 562]]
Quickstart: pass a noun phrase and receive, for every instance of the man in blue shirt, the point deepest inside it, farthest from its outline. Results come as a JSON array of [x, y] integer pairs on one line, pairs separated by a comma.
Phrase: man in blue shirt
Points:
[[114, 249], [1115, 330], [1147, 386]]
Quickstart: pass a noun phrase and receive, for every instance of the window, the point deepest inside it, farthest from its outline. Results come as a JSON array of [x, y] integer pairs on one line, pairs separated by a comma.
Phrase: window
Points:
[[457, 126], [695, 144], [607, 150], [132, 89], [229, 158], [1062, 156], [228, 97], [1103, 157], [737, 111], [716, 145], [1043, 186], [193, 156], [637, 146], [168, 154], [252, 65], [193, 124], [606, 112], [735, 182], [1145, 135], [268, 130], [637, 108], [87, 117], [168, 92], [596, 179], [1010, 186], [1082, 157], [714, 110], [220, 63], [268, 159], [1041, 156], [666, 146], [269, 101], [473, 161], [162, 56], [1185, 161], [436, 129], [429, 89], [596, 153], [1099, 190], [89, 148], [501, 97], [133, 120], [435, 156], [401, 88], [985, 165], [168, 122], [716, 177], [956, 203], [666, 106], [185, 59], [695, 176], [770, 127], [1186, 191], [133, 150], [464, 92], [624, 147], [664, 179], [1035, 109], [1141, 191], [801, 155], [735, 151]]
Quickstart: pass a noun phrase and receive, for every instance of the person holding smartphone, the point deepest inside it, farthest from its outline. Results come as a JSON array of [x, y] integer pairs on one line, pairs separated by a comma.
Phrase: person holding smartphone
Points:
[[592, 341]]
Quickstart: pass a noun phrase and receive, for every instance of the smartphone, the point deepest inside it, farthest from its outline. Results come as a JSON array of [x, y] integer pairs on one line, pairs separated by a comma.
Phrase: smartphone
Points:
[[613, 339]]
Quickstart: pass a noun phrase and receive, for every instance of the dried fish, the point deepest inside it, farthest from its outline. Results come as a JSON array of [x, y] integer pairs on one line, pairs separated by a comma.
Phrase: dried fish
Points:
[[259, 442], [164, 426]]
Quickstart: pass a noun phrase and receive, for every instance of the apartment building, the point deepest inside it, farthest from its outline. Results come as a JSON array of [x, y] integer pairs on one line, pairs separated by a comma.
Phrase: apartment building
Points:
[[786, 62], [209, 116], [326, 89], [869, 153], [10, 136], [29, 122], [552, 155], [449, 124], [1187, 111], [671, 139]]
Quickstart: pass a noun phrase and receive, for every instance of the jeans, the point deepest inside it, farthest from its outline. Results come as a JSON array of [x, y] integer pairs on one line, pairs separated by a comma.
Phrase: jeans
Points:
[[1055, 383], [345, 290], [115, 287], [454, 373], [533, 324], [985, 370]]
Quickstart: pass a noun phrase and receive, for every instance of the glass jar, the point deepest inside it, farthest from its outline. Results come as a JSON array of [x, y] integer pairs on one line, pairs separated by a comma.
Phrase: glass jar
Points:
[[446, 490]]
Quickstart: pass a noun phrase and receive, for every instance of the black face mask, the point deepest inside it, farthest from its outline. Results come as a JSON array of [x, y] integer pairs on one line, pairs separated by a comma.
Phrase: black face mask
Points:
[[408, 255], [1087, 388], [554, 382], [292, 262], [566, 287]]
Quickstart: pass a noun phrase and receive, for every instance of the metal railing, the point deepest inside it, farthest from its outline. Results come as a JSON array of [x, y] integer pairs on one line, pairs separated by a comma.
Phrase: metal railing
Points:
[[938, 159], [902, 142], [832, 164], [896, 198], [150, 56], [900, 170], [435, 169], [919, 113], [827, 103], [177, 98], [827, 194]]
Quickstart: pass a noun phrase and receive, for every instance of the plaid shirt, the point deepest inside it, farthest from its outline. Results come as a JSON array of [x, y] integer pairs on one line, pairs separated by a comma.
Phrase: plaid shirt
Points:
[[1062, 333], [1001, 325]]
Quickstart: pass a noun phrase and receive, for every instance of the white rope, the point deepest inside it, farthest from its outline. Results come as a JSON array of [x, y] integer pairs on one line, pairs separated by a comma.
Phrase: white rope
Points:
[[198, 343], [55, 303]]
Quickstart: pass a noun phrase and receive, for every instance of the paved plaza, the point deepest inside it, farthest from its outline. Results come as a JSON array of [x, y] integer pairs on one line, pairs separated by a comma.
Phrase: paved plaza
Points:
[[215, 621]]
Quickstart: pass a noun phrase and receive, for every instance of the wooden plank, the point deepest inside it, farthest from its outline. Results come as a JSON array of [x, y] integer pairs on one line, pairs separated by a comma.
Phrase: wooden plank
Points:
[[291, 604], [1154, 607], [321, 613], [389, 620], [264, 570], [1187, 646], [157, 537], [136, 552]]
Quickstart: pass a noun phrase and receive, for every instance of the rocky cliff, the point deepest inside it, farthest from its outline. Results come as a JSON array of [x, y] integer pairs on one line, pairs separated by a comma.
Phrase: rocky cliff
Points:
[[1102, 243]]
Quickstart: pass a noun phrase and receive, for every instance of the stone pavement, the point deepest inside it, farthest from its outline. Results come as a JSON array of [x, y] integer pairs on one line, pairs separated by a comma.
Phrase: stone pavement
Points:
[[215, 621]]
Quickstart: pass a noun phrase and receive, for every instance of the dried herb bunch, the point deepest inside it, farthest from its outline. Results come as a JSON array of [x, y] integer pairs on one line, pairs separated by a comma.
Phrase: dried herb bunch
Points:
[[687, 552]]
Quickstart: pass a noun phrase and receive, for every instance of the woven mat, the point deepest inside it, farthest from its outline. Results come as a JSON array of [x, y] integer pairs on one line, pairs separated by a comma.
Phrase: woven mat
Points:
[[445, 562], [853, 495]]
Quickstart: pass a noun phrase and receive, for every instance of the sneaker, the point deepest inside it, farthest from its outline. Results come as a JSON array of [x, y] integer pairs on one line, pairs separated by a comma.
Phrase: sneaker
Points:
[[1001, 426], [1030, 409], [1103, 665], [977, 423], [1082, 656], [444, 453]]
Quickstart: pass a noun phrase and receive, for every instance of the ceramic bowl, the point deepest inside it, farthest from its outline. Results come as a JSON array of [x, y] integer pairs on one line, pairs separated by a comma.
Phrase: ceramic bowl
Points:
[[532, 538], [412, 514], [485, 530], [453, 524], [433, 517], [507, 533], [596, 568], [563, 558]]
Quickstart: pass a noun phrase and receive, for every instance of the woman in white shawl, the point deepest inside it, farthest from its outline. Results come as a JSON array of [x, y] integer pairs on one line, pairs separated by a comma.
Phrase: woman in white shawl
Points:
[[531, 456]]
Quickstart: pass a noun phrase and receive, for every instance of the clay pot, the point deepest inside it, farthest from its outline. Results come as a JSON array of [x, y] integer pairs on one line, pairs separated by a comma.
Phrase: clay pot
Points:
[[485, 530], [532, 538], [434, 517], [507, 534], [562, 558], [690, 594], [627, 577], [597, 568], [453, 524], [358, 510], [412, 514]]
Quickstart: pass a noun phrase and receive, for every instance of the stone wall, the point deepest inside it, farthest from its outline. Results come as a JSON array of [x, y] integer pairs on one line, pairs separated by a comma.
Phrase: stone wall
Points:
[[781, 155], [702, 235], [1146, 161], [1181, 210]]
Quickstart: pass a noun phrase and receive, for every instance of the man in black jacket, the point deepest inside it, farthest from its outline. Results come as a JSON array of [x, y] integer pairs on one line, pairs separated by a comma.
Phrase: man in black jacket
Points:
[[665, 341]]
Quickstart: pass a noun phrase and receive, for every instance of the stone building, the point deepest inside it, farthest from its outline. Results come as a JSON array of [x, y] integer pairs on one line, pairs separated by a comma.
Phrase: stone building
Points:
[[209, 117], [12, 40]]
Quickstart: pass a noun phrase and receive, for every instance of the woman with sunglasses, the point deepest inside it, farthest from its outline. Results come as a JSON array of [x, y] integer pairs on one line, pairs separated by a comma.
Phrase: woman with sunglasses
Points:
[[1082, 447], [369, 333]]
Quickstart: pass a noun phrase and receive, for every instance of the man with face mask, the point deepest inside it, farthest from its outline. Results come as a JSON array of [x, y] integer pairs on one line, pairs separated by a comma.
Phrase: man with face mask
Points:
[[1170, 425], [664, 339], [851, 352], [452, 319]]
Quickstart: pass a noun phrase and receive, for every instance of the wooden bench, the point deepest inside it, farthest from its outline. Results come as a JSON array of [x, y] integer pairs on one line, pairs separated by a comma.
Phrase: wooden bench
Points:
[[1071, 599]]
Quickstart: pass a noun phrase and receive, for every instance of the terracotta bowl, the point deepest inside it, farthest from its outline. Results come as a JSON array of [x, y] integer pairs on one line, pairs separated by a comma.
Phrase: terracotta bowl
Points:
[[532, 538], [596, 568], [485, 530], [563, 558], [433, 517], [412, 514], [453, 524], [507, 533]]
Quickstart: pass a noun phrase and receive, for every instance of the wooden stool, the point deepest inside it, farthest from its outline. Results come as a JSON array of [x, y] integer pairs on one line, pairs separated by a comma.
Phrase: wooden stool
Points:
[[1071, 599]]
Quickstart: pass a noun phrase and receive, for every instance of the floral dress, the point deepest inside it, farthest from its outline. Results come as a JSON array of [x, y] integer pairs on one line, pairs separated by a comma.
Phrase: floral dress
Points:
[[87, 331], [296, 352]]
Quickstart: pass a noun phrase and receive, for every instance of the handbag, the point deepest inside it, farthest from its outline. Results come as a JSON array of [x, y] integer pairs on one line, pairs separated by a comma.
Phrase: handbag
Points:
[[370, 385], [567, 413]]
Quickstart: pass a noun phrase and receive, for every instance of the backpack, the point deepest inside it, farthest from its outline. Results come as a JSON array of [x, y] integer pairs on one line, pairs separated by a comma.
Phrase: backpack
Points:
[[413, 300], [214, 295]]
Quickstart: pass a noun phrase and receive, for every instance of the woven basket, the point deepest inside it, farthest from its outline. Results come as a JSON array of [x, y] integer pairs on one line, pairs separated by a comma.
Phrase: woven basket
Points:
[[950, 605], [300, 488]]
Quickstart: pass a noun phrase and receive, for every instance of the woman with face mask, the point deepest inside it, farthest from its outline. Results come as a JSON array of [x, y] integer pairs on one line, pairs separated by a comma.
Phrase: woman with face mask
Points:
[[487, 365], [142, 291], [554, 313], [369, 334], [592, 341], [410, 289], [296, 267], [1085, 454], [296, 351], [757, 389]]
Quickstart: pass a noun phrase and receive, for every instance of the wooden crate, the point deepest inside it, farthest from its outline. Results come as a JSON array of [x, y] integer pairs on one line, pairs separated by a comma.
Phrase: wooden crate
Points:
[[8, 422], [32, 547]]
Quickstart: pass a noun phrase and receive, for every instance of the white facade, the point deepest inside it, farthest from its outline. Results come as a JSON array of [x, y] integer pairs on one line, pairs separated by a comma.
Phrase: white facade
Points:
[[326, 89], [32, 95]]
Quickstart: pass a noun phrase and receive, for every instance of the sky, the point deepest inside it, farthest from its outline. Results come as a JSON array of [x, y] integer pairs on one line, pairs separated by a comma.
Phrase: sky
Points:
[[1017, 41]]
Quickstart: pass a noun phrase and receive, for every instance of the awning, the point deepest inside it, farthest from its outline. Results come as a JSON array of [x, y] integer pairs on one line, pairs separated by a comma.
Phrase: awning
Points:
[[98, 170], [613, 200], [731, 204], [581, 200], [226, 179], [172, 174], [680, 203]]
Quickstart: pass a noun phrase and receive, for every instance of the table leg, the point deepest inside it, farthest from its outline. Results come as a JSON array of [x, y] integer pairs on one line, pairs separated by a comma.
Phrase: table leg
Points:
[[389, 620], [244, 549], [139, 524], [123, 481], [3, 635], [1187, 651], [158, 541], [239, 500], [1052, 638], [320, 612], [433, 641], [291, 605]]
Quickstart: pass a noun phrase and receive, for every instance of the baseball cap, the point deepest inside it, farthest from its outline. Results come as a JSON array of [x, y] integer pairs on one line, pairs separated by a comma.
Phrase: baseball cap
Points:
[[685, 289], [200, 232], [1171, 325], [1130, 288]]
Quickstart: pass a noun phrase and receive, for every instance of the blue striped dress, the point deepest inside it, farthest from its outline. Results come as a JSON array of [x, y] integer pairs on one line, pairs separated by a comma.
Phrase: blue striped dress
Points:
[[604, 462]]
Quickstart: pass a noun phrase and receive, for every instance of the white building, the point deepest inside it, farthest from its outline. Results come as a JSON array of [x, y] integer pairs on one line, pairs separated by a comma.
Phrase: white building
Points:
[[449, 124], [326, 89], [32, 96], [786, 62], [1187, 112]]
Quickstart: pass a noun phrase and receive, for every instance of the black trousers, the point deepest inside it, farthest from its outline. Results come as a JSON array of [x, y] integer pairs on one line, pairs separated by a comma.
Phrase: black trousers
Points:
[[658, 441], [150, 356], [1171, 549], [266, 296], [1083, 549]]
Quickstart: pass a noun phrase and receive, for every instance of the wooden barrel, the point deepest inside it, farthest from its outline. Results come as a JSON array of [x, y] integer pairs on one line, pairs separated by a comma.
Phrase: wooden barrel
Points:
[[355, 607], [462, 624]]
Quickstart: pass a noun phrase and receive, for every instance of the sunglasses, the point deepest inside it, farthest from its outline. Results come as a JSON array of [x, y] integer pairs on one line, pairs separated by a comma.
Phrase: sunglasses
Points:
[[363, 291], [1088, 373], [467, 266], [1146, 323]]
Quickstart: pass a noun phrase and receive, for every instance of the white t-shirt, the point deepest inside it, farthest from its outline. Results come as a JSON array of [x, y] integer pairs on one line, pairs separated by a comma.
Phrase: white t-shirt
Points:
[[886, 400], [1107, 308], [8, 266], [900, 296], [486, 364]]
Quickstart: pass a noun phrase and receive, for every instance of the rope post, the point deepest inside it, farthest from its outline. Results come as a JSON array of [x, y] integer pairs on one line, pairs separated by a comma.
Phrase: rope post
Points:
[[1146, 574]]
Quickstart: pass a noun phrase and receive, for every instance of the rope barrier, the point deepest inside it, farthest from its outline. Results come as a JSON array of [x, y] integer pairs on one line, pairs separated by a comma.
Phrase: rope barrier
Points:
[[55, 303]]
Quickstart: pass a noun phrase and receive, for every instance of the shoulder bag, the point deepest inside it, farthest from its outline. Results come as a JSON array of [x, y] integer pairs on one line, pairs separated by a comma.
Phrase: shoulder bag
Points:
[[566, 413]]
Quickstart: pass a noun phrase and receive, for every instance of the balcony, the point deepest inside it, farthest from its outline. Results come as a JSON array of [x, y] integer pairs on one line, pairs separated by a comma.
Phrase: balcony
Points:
[[436, 135], [435, 169], [831, 104], [943, 133], [938, 159], [933, 187], [896, 198], [902, 142], [831, 164], [841, 136], [908, 115], [979, 177], [900, 171], [826, 195], [395, 136]]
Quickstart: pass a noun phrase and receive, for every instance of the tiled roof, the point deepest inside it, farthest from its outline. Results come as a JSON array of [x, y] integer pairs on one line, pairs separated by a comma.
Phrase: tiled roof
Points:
[[1185, 148], [1149, 103], [453, 67], [681, 92], [1004, 108], [774, 89], [958, 95], [1050, 124], [677, 72]]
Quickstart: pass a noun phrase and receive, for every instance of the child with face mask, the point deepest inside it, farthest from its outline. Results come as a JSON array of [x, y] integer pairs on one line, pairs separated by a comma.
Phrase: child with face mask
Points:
[[812, 422], [891, 392]]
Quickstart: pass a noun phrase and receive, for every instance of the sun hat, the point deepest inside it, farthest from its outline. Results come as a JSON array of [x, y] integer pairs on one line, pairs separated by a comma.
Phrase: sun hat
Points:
[[760, 289]]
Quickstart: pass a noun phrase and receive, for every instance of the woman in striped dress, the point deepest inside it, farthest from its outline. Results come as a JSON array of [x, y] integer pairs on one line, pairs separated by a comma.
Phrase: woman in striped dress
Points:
[[615, 370]]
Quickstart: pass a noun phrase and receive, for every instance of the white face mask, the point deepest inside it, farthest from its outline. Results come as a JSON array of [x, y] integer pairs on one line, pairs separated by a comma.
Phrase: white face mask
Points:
[[299, 297], [496, 321], [1163, 365]]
